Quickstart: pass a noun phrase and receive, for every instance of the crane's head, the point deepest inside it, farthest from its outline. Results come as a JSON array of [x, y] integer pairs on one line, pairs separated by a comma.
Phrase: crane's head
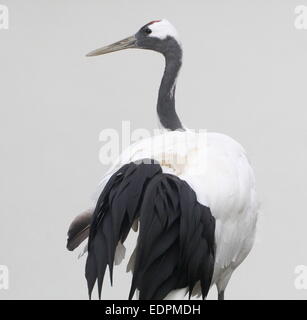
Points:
[[158, 35]]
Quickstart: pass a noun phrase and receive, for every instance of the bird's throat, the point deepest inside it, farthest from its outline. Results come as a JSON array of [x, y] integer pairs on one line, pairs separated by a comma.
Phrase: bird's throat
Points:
[[166, 99]]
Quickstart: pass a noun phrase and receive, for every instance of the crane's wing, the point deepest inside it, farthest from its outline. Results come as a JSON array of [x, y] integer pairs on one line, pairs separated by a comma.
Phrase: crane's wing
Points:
[[175, 247]]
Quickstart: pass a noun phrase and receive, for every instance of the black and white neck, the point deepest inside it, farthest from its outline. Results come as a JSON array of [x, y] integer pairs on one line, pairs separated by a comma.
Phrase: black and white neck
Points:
[[166, 99], [161, 36]]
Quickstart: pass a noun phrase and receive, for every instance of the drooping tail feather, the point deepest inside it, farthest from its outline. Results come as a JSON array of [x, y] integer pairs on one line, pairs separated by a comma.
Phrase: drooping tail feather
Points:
[[175, 247], [116, 210], [79, 229]]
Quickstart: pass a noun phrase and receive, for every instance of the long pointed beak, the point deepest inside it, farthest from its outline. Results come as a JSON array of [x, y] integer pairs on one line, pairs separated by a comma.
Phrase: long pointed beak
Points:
[[126, 43]]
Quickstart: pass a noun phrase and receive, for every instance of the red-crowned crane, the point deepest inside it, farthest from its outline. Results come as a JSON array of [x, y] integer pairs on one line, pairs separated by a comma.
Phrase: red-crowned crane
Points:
[[190, 196]]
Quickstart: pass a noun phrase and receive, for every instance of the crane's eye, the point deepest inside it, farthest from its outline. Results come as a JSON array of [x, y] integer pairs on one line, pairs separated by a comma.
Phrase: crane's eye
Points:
[[147, 31]]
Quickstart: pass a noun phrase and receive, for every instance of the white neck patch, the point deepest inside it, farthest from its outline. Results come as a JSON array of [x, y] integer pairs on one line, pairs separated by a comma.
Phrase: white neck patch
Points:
[[163, 28]]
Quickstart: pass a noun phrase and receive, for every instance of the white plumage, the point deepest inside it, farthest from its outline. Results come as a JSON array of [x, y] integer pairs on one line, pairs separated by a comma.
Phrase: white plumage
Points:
[[217, 169], [162, 29]]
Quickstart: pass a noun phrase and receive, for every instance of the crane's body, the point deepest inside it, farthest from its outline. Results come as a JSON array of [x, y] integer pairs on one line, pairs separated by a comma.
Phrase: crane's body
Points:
[[211, 165], [217, 169]]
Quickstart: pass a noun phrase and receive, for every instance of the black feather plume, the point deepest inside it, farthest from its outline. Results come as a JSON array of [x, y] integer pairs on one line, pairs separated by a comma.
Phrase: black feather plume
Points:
[[175, 247]]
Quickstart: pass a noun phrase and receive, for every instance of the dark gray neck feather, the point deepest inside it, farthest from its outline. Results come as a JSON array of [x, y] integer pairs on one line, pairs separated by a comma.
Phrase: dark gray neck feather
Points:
[[166, 99]]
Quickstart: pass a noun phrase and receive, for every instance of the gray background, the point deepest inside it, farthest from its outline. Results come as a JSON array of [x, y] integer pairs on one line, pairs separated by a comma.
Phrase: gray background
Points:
[[244, 74]]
